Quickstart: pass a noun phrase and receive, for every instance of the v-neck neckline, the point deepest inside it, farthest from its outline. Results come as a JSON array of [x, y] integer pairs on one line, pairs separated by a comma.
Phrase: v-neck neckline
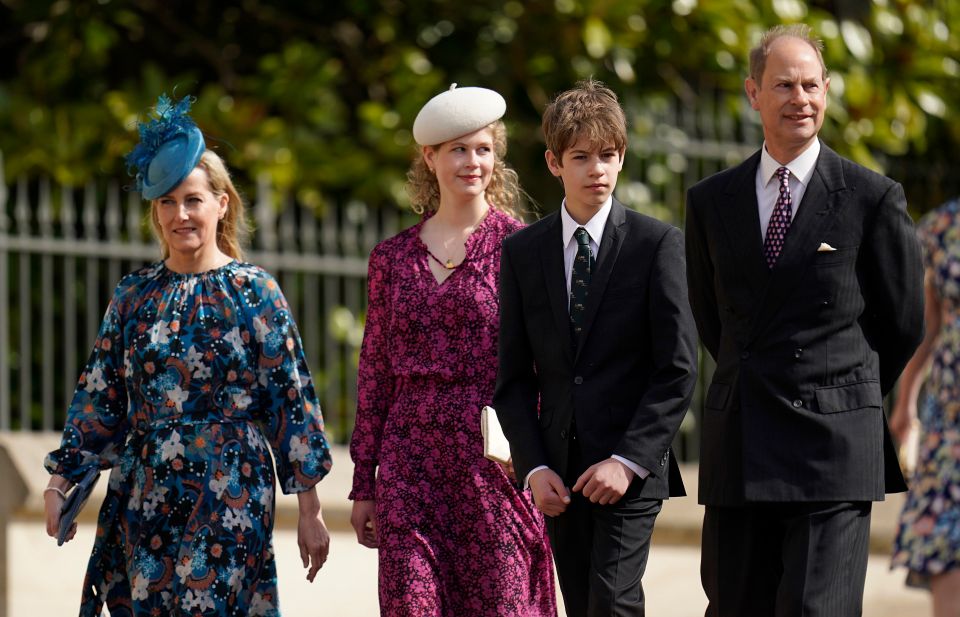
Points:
[[437, 282], [468, 243]]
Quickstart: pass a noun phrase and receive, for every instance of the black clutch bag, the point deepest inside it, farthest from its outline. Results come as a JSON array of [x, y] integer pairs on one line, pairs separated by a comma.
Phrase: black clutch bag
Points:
[[76, 499]]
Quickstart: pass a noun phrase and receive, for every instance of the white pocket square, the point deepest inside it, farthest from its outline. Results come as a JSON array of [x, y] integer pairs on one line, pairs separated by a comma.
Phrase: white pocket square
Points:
[[825, 248]]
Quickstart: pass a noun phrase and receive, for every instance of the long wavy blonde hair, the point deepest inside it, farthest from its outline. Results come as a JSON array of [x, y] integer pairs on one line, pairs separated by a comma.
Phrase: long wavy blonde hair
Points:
[[233, 229], [503, 192]]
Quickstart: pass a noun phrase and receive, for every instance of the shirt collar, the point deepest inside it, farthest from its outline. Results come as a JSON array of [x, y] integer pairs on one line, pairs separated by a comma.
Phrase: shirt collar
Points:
[[800, 168], [594, 226]]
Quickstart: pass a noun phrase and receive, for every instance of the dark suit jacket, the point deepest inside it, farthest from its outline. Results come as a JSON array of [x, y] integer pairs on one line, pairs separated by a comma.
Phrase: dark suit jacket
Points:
[[806, 351], [629, 382]]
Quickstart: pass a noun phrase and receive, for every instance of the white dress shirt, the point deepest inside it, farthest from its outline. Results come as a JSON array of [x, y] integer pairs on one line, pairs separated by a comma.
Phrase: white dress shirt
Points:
[[594, 229], [768, 188]]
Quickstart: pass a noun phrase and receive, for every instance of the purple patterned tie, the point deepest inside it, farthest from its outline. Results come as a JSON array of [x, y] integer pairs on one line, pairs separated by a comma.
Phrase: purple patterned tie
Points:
[[779, 220]]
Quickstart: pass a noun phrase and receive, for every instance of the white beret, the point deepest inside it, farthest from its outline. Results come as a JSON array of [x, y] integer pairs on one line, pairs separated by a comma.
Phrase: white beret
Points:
[[456, 112]]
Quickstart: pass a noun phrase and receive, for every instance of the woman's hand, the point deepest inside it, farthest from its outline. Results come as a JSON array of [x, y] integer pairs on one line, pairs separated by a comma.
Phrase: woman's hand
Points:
[[52, 502], [903, 420], [312, 535], [364, 521]]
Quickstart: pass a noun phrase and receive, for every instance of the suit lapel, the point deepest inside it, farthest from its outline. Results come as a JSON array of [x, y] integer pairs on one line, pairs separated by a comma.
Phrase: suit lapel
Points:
[[817, 211], [610, 243], [551, 259], [740, 216]]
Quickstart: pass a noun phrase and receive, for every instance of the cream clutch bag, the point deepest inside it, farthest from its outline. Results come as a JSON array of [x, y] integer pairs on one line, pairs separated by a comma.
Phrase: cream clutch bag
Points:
[[495, 444]]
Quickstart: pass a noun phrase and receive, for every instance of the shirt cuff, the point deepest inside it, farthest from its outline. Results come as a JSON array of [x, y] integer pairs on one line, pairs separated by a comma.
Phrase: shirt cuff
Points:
[[526, 481], [642, 472]]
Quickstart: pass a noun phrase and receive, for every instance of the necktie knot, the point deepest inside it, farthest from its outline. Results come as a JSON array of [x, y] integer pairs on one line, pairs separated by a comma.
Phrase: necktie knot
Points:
[[583, 238], [784, 174]]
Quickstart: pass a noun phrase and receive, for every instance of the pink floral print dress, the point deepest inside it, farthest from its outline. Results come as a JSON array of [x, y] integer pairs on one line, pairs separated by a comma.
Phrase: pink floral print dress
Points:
[[456, 536]]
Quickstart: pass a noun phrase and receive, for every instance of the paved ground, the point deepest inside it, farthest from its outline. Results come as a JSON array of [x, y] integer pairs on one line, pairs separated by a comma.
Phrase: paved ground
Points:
[[45, 579]]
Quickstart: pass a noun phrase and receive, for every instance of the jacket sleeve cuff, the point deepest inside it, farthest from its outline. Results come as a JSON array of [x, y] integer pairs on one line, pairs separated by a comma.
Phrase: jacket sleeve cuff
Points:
[[526, 481], [641, 471]]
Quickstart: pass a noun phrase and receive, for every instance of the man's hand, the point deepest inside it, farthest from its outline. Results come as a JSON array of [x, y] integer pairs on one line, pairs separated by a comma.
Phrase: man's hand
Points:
[[604, 482], [549, 493]]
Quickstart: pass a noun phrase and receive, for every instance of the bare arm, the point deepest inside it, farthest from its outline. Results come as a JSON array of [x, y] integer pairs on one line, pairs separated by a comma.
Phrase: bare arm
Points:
[[905, 407], [312, 535], [52, 502]]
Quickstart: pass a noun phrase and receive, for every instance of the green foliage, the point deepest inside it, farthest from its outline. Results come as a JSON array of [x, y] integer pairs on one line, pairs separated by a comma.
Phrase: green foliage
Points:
[[321, 95]]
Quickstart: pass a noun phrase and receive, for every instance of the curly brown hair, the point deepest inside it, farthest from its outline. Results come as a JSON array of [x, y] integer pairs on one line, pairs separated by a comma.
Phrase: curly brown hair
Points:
[[503, 192]]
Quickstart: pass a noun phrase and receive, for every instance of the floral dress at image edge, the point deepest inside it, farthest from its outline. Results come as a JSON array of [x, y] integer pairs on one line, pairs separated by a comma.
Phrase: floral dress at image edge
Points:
[[456, 538], [193, 380], [928, 538]]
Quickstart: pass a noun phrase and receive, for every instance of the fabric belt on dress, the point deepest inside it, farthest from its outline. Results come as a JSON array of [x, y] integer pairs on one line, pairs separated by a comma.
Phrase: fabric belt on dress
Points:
[[137, 435]]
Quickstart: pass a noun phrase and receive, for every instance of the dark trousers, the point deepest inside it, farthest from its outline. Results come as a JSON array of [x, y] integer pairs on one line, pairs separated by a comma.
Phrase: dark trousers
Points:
[[601, 551], [785, 559]]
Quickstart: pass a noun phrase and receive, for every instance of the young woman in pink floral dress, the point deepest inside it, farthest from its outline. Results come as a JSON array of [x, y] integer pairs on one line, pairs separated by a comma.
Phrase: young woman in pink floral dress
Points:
[[455, 536]]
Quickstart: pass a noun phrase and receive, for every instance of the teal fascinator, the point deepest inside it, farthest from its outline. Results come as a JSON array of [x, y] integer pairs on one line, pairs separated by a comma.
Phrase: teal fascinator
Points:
[[170, 147]]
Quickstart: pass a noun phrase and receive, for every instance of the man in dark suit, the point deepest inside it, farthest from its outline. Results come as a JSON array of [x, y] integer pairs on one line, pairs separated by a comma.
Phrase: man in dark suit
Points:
[[806, 283], [597, 360]]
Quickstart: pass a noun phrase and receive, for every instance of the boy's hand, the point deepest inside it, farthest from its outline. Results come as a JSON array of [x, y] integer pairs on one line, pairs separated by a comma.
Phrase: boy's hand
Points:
[[604, 482], [549, 493]]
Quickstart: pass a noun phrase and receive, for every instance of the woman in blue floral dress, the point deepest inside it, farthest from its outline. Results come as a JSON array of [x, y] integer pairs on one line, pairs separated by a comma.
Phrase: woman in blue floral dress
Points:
[[928, 538], [196, 377]]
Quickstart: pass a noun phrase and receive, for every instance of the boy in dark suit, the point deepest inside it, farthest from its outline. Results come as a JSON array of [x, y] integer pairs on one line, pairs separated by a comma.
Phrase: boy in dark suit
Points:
[[597, 360]]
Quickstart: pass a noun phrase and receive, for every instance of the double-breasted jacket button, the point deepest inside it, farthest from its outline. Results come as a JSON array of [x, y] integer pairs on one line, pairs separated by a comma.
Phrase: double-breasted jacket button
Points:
[[578, 380], [798, 403]]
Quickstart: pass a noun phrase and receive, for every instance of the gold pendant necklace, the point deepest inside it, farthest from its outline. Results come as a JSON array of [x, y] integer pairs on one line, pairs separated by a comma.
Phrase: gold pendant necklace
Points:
[[448, 264]]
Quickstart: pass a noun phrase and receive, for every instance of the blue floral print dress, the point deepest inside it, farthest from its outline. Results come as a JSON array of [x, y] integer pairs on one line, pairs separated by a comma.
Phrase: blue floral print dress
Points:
[[928, 538], [194, 380]]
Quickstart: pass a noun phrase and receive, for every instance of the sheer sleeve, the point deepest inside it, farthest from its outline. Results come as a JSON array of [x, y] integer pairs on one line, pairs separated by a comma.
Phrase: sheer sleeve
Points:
[[374, 379], [96, 424], [289, 409]]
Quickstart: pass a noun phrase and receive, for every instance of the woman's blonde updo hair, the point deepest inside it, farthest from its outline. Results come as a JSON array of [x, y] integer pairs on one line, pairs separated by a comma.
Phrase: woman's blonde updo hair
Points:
[[503, 192], [232, 229]]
